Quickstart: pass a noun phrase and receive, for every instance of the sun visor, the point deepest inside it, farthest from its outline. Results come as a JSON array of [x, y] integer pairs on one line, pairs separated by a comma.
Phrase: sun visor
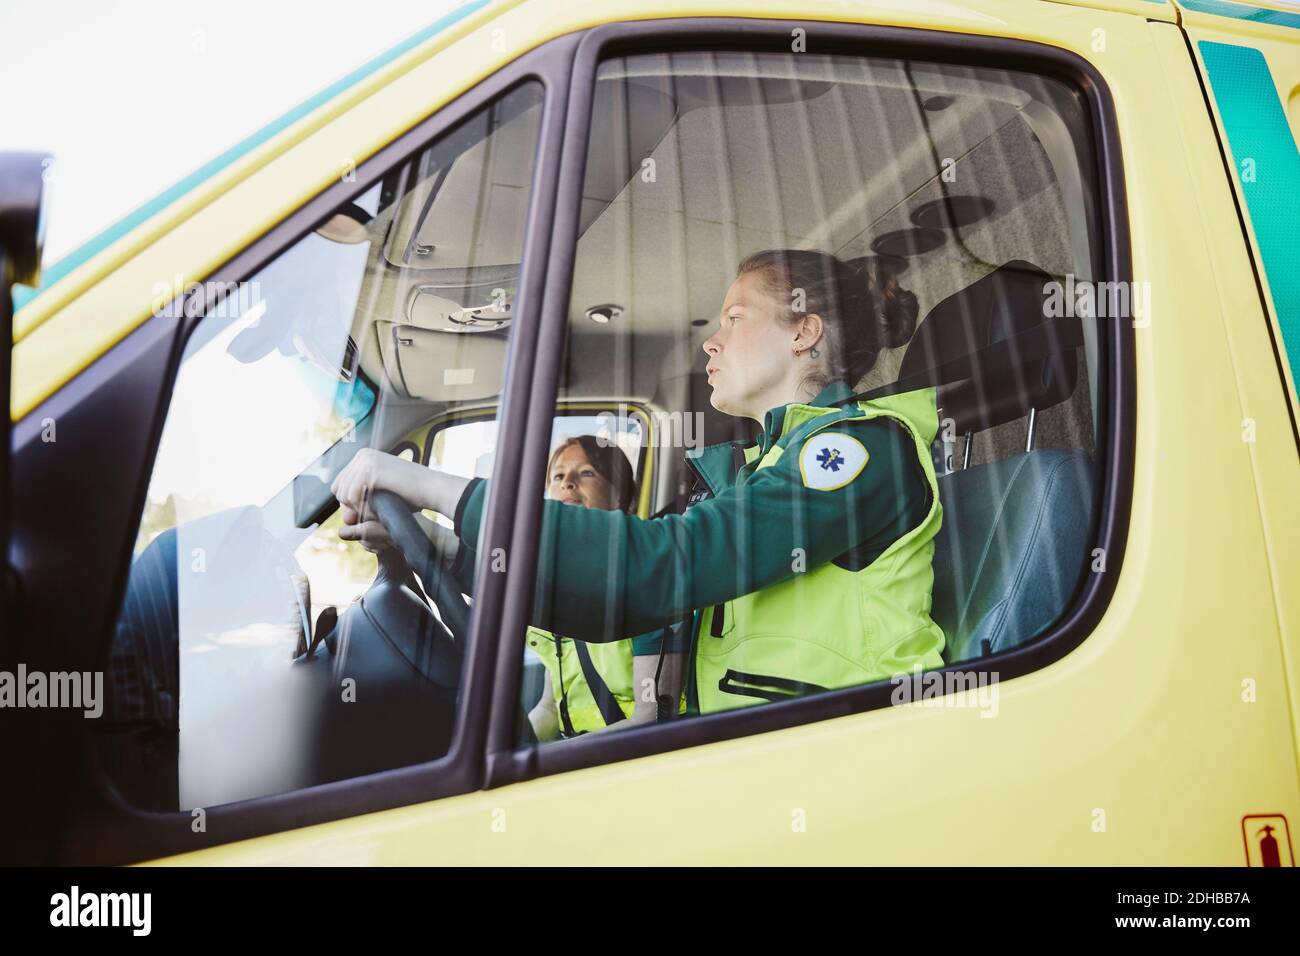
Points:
[[441, 366]]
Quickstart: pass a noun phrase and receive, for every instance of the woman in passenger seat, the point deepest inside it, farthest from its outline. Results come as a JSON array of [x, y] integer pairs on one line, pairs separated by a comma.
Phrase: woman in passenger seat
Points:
[[805, 558], [592, 687]]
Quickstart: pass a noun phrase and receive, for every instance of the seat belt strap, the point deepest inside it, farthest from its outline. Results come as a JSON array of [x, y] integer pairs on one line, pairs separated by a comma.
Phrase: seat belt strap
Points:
[[600, 691]]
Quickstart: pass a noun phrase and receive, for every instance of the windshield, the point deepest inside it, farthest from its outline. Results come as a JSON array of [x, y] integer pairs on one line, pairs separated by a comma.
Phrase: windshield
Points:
[[216, 398]]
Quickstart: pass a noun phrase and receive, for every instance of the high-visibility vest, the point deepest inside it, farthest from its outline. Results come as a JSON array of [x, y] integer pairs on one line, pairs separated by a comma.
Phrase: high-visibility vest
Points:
[[829, 627], [592, 683]]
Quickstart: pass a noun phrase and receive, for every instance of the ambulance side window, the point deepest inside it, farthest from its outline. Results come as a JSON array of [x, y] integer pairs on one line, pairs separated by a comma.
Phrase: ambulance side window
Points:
[[962, 199], [252, 654]]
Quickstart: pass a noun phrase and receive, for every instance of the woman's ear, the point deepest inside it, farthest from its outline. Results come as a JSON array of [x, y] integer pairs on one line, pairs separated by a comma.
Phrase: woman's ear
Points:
[[808, 332]]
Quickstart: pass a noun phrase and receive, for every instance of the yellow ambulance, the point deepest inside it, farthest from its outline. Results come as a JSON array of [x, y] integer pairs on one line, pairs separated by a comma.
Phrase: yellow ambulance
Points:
[[518, 228]]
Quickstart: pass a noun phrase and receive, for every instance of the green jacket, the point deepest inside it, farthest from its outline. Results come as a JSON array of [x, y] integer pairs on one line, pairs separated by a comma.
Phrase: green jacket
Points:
[[604, 572]]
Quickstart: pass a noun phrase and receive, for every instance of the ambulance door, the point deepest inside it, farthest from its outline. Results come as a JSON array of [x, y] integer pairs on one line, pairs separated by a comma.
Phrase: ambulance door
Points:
[[1248, 62]]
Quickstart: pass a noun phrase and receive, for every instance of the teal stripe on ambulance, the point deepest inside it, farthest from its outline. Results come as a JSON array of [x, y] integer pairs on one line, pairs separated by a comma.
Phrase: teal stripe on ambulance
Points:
[[52, 274], [1267, 162], [1240, 11]]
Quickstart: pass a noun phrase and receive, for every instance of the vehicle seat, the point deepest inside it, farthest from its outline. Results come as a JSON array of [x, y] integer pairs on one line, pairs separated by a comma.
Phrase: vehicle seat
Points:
[[1010, 299], [1012, 549], [1013, 544]]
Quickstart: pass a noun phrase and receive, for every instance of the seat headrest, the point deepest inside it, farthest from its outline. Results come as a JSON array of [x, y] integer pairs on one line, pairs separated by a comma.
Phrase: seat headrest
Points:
[[1008, 300]]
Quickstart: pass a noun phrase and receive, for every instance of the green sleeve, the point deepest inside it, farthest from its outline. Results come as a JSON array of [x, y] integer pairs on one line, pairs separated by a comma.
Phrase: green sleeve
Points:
[[603, 573], [647, 644], [462, 568]]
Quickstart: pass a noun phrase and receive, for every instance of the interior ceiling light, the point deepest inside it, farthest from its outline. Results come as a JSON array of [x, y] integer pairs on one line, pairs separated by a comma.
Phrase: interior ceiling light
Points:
[[603, 314], [952, 211], [904, 243]]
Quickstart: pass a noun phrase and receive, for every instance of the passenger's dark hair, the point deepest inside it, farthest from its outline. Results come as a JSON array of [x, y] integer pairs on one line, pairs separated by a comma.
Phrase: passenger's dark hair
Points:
[[863, 308], [610, 463]]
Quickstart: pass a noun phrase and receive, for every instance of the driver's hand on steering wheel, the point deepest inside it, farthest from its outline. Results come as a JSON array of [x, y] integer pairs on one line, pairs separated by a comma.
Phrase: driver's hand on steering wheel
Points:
[[370, 471], [371, 534]]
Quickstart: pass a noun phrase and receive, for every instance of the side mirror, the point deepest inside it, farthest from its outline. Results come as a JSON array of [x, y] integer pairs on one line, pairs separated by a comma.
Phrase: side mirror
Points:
[[22, 216], [22, 238]]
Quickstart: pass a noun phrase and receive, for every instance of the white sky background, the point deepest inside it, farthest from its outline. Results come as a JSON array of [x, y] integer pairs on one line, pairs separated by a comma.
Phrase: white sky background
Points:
[[121, 95], [131, 97]]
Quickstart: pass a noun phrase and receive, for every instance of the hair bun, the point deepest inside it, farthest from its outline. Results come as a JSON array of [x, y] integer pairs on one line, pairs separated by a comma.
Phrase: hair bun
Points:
[[899, 310], [864, 309], [896, 308]]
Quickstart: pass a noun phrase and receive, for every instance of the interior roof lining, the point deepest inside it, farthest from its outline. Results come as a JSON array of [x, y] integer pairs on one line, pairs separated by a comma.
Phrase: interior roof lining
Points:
[[930, 76]]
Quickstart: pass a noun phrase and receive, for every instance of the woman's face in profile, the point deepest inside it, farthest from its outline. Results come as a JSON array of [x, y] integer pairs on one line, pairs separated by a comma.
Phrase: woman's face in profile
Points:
[[750, 353], [575, 481]]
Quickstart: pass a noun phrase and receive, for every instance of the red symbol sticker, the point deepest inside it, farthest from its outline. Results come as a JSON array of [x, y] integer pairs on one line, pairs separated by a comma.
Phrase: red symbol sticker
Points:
[[1268, 840]]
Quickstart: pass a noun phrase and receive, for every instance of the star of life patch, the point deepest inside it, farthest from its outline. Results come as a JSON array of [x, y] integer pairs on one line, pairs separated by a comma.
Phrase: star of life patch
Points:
[[831, 460]]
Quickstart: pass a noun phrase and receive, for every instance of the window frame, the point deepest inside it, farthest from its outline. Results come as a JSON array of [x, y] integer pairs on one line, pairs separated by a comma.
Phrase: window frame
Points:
[[1114, 446], [125, 833]]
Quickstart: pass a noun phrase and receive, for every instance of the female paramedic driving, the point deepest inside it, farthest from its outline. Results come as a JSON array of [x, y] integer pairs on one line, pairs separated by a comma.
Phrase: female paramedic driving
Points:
[[806, 556]]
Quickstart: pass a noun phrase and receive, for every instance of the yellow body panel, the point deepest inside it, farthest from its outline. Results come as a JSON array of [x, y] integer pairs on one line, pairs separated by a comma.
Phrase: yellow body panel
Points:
[[1274, 450], [1136, 748]]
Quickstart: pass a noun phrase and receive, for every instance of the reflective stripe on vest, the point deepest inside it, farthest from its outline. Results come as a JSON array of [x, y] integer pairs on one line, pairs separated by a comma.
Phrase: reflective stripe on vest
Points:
[[591, 683], [829, 627]]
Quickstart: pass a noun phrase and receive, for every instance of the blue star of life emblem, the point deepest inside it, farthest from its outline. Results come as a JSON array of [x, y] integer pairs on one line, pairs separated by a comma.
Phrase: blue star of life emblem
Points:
[[830, 459]]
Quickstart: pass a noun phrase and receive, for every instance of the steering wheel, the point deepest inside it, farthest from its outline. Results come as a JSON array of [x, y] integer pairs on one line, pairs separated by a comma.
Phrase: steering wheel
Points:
[[420, 553]]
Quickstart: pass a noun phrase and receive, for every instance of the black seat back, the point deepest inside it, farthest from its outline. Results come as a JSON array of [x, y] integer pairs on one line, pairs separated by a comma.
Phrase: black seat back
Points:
[[1010, 299]]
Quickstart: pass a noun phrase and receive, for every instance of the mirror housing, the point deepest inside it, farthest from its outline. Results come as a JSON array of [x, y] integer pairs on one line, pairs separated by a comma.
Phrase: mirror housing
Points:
[[22, 240], [22, 216]]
